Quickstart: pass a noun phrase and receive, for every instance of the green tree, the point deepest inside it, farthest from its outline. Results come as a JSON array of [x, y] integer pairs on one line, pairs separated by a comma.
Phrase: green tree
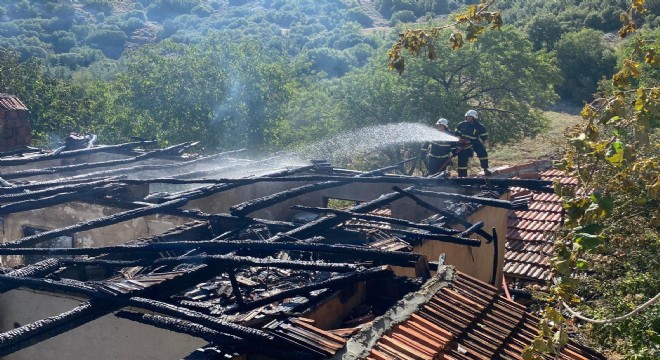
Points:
[[500, 76], [584, 60], [52, 102], [544, 31]]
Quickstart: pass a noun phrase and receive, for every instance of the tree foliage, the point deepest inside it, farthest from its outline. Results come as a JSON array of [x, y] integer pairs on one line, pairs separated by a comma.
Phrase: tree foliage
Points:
[[606, 261], [584, 60]]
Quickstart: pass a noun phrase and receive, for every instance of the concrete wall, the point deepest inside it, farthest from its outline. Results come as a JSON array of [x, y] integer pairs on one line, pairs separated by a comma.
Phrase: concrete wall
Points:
[[67, 214], [107, 337]]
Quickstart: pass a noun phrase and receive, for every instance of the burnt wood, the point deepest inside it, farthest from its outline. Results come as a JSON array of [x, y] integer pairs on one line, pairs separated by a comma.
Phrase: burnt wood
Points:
[[120, 148], [447, 214]]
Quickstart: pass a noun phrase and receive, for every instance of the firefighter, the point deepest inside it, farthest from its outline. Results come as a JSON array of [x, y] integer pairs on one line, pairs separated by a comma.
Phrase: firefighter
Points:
[[439, 152], [473, 136]]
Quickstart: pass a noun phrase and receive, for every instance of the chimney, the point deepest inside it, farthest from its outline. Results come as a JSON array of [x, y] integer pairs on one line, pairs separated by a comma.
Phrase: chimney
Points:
[[15, 131]]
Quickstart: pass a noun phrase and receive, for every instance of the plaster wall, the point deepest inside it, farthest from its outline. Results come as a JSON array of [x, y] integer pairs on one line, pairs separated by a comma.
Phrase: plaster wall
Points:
[[360, 192], [107, 337], [330, 313], [474, 261], [67, 214]]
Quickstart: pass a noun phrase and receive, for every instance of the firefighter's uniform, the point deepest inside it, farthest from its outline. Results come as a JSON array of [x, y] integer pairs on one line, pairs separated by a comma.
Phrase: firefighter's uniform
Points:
[[439, 154], [473, 136]]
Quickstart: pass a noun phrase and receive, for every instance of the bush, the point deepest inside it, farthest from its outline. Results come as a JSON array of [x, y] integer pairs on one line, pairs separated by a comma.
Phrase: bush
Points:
[[70, 60], [359, 17], [202, 11], [63, 41], [103, 6], [131, 24], [333, 62], [162, 9], [403, 16], [111, 42], [584, 60], [544, 31]]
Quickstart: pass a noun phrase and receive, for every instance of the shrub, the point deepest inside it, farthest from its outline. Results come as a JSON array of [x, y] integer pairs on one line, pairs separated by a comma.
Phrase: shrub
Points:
[[103, 6], [403, 16]]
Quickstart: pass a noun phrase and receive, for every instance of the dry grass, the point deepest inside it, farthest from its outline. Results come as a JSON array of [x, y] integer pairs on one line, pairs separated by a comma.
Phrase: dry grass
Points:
[[547, 145]]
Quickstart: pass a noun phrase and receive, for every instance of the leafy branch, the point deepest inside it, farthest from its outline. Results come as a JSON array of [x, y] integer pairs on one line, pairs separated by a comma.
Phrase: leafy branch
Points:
[[614, 161], [475, 20]]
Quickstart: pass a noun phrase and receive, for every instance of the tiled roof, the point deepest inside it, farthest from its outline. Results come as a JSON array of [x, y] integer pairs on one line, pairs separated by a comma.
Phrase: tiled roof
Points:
[[11, 102], [529, 236], [467, 320]]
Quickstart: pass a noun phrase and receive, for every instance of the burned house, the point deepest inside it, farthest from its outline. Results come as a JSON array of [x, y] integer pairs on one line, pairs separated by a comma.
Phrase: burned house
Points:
[[131, 251]]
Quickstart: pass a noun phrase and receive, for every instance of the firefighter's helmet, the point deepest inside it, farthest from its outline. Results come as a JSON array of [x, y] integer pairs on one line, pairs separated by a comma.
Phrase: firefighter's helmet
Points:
[[472, 113]]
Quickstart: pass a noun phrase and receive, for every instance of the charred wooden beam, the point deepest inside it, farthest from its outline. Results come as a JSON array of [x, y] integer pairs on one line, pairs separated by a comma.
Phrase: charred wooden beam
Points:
[[424, 235], [214, 189], [236, 290], [257, 204], [19, 188], [65, 285], [96, 223], [224, 261], [74, 153], [382, 219], [540, 185], [47, 201], [30, 334], [139, 168], [214, 336], [448, 214], [465, 198], [200, 318], [469, 231], [36, 270], [495, 257], [532, 184], [314, 227], [21, 151], [337, 281], [5, 183], [185, 327], [51, 191], [398, 258], [77, 167], [41, 330]]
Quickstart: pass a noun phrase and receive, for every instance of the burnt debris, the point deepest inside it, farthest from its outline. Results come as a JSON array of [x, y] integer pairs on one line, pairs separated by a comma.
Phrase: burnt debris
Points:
[[262, 257]]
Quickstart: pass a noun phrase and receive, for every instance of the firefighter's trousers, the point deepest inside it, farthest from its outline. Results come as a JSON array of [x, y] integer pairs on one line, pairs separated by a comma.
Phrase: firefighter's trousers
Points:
[[465, 155]]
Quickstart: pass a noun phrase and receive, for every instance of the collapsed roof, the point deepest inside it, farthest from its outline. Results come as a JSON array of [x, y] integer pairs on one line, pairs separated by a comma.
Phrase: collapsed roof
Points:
[[243, 253]]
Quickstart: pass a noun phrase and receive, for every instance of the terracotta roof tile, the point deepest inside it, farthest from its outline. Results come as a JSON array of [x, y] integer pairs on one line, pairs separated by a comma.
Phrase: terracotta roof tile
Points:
[[529, 235], [11, 102], [467, 321]]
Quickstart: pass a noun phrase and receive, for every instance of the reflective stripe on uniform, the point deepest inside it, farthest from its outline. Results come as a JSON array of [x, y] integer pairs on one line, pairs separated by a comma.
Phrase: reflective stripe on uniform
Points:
[[440, 144], [483, 158], [439, 157], [462, 168]]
